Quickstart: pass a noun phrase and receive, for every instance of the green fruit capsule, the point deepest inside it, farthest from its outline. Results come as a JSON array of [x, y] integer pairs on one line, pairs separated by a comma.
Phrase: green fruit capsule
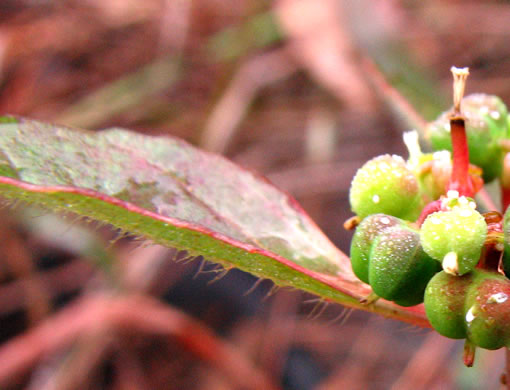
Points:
[[475, 306], [444, 304], [363, 238], [386, 253], [487, 310], [385, 185], [455, 238], [399, 269], [486, 124]]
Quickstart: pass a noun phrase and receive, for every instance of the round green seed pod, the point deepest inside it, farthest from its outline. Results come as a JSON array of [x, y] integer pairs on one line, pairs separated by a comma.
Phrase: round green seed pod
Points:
[[385, 185], [444, 304], [363, 238], [486, 124], [399, 269], [487, 310], [455, 238], [475, 306]]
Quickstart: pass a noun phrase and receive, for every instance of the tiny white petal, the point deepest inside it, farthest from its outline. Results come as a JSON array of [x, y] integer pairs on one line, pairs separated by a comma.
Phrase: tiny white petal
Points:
[[452, 194], [484, 110], [451, 263], [470, 316], [497, 298]]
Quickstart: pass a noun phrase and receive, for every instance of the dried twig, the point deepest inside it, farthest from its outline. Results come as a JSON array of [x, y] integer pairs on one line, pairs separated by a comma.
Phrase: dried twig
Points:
[[20, 354], [33, 293], [64, 279], [321, 42], [426, 363], [254, 74], [393, 98]]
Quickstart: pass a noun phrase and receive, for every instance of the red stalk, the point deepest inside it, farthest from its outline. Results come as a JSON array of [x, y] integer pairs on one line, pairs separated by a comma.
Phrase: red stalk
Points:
[[460, 180], [505, 182], [469, 354], [505, 195], [432, 207]]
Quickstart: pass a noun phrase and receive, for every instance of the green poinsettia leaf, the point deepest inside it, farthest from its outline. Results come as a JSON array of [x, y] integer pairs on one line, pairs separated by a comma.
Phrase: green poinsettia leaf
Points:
[[179, 196]]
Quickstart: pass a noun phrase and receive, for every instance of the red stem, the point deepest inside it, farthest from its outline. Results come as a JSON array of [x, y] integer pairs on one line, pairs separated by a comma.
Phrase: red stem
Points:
[[469, 354], [505, 195], [504, 180], [432, 207], [460, 180]]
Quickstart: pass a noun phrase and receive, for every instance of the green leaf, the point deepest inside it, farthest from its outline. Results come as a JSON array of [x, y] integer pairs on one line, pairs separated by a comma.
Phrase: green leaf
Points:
[[178, 196]]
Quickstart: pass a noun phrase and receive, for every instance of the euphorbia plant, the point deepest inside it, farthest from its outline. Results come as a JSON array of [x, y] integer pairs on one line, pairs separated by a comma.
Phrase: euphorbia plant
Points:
[[176, 195], [460, 302]]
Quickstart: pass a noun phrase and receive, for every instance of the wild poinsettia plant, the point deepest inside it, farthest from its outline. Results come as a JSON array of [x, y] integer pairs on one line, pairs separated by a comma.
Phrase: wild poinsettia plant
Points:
[[419, 216], [419, 236]]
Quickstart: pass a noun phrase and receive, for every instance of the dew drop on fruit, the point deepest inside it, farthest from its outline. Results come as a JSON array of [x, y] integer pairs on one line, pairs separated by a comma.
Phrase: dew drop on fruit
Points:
[[495, 115], [470, 315], [385, 220], [497, 298], [435, 220], [466, 213]]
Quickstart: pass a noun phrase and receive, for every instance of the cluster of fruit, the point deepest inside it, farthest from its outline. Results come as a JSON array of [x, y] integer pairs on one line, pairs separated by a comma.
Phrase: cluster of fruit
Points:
[[418, 240]]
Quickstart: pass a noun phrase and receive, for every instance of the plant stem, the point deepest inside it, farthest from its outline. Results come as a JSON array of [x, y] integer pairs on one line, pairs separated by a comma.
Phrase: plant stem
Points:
[[469, 354], [460, 180], [430, 208], [505, 197], [504, 181]]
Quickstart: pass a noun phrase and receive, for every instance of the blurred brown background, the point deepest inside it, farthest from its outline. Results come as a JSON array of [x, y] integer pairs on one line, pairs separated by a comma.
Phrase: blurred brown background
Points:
[[284, 88]]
